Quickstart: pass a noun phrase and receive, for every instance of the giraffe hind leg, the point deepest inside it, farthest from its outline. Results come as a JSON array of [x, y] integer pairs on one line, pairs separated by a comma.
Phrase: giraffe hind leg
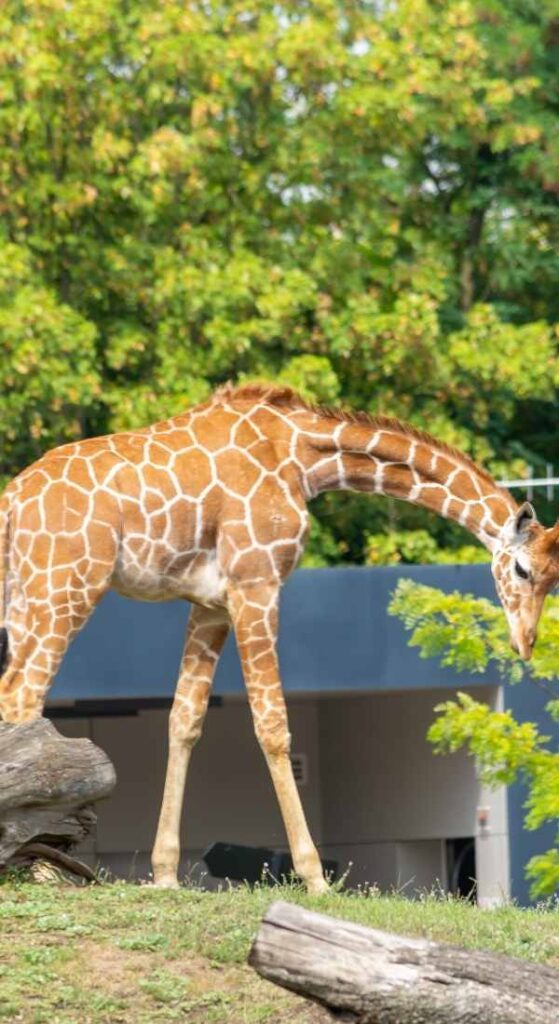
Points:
[[46, 608], [33, 663], [40, 633]]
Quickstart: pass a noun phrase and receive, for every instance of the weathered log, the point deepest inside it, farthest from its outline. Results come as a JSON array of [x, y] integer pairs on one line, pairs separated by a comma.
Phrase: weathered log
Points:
[[47, 786], [375, 977]]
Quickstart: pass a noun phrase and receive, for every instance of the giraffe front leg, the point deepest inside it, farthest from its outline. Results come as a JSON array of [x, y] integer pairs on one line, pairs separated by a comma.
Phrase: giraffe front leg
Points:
[[254, 612], [207, 631]]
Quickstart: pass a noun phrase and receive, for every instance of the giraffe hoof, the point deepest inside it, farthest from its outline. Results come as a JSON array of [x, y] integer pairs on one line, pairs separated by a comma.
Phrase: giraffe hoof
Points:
[[165, 882], [318, 886]]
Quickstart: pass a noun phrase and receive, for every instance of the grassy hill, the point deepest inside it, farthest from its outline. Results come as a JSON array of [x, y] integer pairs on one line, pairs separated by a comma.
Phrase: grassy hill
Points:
[[128, 953]]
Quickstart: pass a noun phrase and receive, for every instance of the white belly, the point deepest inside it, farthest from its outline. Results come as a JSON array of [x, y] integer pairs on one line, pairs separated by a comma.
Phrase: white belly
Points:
[[206, 585], [203, 584]]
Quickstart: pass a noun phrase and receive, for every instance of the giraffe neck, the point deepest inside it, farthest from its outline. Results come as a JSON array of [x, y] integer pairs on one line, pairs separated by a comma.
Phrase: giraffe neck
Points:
[[384, 456]]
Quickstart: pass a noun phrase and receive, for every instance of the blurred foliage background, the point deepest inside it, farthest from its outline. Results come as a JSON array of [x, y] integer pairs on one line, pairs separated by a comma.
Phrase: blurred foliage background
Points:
[[359, 199]]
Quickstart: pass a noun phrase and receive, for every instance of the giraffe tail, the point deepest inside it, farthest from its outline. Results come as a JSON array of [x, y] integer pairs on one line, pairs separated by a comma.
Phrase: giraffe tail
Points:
[[4, 542]]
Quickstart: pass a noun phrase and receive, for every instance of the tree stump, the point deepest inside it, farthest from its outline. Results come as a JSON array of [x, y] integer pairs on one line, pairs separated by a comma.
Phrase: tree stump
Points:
[[373, 976], [47, 786]]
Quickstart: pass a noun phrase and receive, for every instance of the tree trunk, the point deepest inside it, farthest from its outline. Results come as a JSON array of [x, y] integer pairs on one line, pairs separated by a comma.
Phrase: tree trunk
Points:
[[47, 784], [467, 264], [379, 978]]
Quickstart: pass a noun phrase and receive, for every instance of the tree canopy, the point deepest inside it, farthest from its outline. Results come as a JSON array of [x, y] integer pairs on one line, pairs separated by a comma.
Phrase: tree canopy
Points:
[[359, 199]]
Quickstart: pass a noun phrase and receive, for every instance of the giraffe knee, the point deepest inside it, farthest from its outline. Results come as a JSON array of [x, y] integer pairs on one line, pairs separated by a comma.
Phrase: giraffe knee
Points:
[[9, 712], [274, 738], [185, 725], [15, 712]]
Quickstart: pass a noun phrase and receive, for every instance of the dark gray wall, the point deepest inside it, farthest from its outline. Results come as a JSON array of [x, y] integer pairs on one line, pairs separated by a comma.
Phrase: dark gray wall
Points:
[[527, 702], [335, 634]]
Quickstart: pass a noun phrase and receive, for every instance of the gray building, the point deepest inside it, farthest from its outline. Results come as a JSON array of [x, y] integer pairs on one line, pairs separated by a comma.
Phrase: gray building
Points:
[[360, 702]]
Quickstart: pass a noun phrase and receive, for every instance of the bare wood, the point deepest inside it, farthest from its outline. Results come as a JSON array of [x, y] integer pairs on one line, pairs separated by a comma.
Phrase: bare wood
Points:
[[47, 786], [378, 977], [35, 851]]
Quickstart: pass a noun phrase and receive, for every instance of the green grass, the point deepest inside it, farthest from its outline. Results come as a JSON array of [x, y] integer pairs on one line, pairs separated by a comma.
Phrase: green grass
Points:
[[123, 953]]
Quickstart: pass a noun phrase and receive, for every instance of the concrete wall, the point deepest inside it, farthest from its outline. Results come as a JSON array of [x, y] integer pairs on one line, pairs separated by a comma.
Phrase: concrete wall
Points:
[[229, 796], [388, 804], [375, 795]]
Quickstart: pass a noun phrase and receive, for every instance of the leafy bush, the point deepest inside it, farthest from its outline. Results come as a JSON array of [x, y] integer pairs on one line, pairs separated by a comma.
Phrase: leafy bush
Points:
[[466, 633]]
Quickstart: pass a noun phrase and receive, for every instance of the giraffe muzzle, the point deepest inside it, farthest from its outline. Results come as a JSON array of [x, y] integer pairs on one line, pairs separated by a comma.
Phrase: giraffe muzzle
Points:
[[525, 647]]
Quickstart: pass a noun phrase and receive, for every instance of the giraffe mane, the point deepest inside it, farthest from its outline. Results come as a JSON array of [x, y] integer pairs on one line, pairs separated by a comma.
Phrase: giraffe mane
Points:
[[280, 397]]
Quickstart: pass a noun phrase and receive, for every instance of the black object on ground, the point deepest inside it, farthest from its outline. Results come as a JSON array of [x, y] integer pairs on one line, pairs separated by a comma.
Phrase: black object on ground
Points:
[[254, 864]]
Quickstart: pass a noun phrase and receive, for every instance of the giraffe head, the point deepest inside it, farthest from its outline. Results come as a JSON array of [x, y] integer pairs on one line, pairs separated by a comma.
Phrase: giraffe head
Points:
[[525, 568]]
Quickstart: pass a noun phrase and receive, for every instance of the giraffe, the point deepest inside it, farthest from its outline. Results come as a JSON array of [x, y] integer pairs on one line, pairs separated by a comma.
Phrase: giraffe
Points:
[[211, 506]]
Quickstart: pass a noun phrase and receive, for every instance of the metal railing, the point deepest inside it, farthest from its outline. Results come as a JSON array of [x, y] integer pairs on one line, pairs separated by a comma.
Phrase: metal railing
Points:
[[530, 482]]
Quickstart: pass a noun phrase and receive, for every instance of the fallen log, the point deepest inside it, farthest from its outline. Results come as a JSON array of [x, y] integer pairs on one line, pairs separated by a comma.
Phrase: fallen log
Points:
[[374, 977], [32, 853], [47, 786]]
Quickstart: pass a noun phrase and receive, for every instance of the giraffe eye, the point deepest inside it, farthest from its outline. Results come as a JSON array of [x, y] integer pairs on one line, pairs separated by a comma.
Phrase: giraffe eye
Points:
[[521, 571]]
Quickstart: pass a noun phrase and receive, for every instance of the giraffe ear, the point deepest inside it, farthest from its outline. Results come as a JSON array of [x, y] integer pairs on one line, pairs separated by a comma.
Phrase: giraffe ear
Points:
[[525, 516], [518, 526]]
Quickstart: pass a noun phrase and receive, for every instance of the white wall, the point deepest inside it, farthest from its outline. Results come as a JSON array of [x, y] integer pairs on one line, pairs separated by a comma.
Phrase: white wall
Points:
[[229, 795], [376, 795], [492, 839], [388, 803]]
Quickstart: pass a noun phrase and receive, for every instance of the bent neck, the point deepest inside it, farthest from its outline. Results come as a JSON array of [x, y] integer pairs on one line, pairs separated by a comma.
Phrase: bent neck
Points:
[[384, 456]]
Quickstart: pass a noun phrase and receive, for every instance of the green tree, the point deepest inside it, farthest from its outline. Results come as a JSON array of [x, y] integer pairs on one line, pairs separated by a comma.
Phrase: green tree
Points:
[[48, 363], [417, 546], [466, 633], [358, 199]]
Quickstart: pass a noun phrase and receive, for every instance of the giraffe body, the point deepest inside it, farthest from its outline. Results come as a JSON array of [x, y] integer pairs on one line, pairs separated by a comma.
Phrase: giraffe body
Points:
[[211, 506], [157, 514]]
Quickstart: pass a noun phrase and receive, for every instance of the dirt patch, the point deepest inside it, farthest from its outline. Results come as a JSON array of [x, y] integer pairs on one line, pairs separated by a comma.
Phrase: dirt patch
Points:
[[144, 979], [115, 970]]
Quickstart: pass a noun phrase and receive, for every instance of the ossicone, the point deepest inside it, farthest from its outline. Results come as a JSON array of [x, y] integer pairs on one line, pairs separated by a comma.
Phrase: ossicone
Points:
[[552, 539]]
